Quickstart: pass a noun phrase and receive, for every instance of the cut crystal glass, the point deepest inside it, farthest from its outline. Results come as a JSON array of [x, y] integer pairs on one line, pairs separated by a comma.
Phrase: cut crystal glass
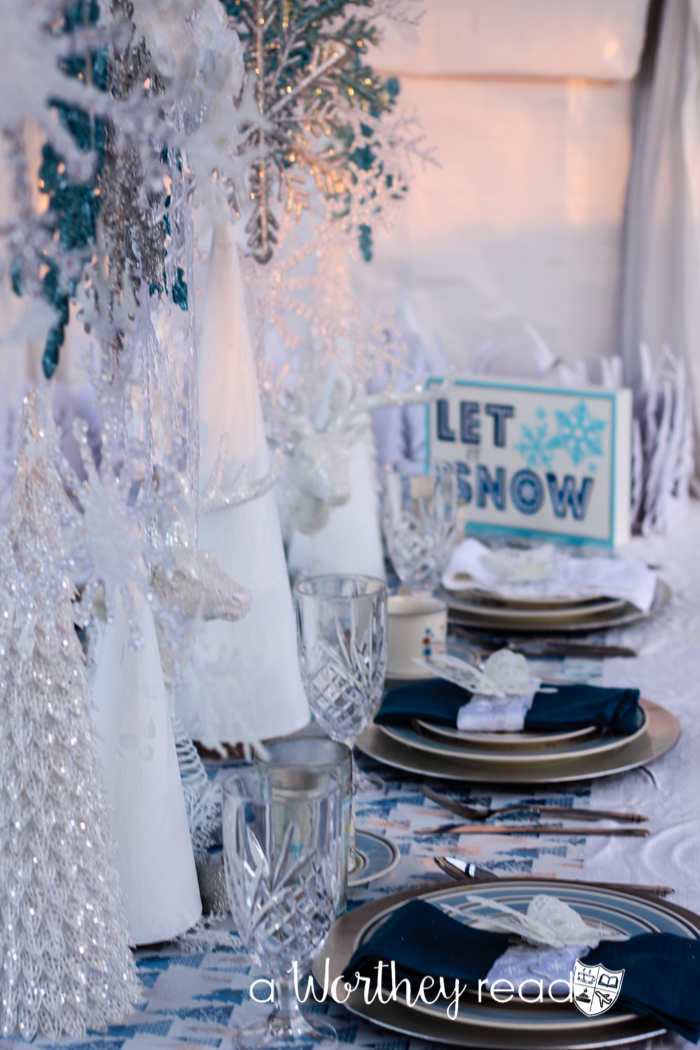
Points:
[[283, 849], [342, 642], [419, 518]]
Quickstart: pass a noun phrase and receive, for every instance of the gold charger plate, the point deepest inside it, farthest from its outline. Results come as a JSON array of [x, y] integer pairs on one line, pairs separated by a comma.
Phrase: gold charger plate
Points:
[[661, 733], [494, 1028], [624, 617]]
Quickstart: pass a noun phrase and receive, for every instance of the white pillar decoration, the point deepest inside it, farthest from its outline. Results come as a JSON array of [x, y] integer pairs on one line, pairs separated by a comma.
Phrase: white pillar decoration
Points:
[[351, 541], [243, 682], [142, 782]]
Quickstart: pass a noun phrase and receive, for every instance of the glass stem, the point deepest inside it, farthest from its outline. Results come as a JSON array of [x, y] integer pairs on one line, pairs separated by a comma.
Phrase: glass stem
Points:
[[288, 1012], [351, 744]]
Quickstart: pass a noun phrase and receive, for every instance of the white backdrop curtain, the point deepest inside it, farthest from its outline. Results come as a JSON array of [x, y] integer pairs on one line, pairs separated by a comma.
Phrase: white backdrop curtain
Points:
[[661, 272]]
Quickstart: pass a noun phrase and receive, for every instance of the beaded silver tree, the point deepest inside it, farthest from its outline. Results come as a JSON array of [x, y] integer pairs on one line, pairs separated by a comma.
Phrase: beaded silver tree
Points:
[[66, 964]]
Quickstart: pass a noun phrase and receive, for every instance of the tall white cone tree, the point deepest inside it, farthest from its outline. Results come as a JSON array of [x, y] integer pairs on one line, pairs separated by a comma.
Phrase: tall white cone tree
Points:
[[65, 962], [244, 680], [142, 780]]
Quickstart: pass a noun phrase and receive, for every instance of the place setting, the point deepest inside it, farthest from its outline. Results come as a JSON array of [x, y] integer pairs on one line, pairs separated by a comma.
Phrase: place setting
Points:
[[595, 949], [542, 589], [499, 723]]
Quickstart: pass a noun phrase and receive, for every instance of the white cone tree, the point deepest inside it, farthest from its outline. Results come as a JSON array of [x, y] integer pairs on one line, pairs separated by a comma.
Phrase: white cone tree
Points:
[[66, 964], [243, 682], [142, 781]]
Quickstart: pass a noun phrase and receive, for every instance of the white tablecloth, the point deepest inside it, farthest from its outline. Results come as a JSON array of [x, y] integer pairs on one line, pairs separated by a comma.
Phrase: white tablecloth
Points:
[[667, 670]]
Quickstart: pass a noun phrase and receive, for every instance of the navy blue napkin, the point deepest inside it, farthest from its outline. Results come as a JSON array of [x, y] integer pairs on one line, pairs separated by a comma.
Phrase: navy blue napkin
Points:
[[569, 707], [423, 940], [662, 971]]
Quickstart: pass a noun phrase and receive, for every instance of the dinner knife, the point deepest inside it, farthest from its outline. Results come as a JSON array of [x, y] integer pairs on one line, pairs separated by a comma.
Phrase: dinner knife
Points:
[[529, 829], [542, 647], [474, 873], [589, 651], [471, 812]]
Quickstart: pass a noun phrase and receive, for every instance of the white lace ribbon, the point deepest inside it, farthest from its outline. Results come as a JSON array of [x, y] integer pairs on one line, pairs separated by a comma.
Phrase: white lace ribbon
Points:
[[485, 714], [522, 964], [503, 690]]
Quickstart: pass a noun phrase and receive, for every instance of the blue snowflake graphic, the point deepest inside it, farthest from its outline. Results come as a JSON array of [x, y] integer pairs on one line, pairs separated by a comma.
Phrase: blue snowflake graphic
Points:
[[578, 433], [536, 445]]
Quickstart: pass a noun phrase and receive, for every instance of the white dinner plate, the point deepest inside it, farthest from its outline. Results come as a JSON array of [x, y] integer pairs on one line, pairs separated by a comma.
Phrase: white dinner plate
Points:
[[513, 613], [513, 741], [596, 744], [600, 621], [480, 594]]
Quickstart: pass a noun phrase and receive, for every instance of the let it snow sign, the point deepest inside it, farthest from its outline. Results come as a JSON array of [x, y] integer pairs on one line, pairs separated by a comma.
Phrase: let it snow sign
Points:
[[537, 460]]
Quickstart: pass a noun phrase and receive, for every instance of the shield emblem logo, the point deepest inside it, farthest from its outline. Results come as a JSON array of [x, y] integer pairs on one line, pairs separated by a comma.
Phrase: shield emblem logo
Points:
[[595, 988]]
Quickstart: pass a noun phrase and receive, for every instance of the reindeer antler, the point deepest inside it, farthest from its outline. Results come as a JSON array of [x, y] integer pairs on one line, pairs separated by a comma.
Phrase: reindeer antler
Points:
[[288, 414], [386, 398], [241, 490], [344, 402]]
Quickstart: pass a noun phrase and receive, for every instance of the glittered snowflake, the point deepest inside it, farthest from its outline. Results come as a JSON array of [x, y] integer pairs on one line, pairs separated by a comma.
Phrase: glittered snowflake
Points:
[[579, 434], [536, 443]]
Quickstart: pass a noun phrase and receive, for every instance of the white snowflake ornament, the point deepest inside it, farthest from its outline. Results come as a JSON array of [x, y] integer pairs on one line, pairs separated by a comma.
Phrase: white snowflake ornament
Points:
[[505, 673], [548, 922]]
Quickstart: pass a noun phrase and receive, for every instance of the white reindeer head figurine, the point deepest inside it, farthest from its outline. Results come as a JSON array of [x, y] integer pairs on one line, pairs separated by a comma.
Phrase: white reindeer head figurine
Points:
[[317, 435]]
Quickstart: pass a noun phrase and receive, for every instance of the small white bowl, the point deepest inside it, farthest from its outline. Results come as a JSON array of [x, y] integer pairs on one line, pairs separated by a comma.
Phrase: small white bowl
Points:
[[417, 627]]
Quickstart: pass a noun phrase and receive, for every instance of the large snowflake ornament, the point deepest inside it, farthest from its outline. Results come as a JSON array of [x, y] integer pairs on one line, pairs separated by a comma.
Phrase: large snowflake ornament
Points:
[[108, 531], [322, 105]]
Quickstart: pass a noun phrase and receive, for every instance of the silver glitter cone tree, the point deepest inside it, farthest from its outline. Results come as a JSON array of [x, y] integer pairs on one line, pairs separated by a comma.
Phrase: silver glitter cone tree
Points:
[[65, 962]]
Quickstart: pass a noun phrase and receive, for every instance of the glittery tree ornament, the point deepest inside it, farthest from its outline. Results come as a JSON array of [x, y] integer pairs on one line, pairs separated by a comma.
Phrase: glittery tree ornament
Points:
[[66, 965]]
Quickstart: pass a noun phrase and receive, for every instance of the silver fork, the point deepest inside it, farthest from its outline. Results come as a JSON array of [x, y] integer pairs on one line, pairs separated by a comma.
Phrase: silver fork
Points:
[[482, 813]]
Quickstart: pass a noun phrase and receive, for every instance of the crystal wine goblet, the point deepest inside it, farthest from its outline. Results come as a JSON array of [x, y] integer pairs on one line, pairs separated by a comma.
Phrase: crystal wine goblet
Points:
[[419, 518], [283, 845], [342, 643]]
